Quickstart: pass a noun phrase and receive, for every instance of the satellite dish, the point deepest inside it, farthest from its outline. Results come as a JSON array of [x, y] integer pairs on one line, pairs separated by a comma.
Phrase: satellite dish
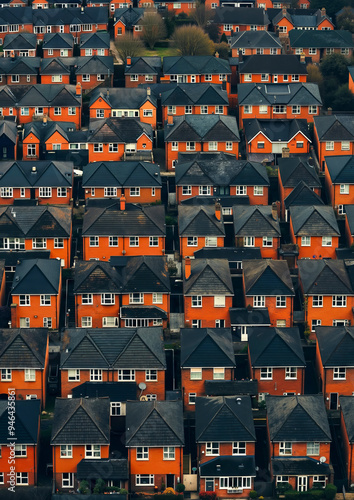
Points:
[[322, 460], [143, 398], [142, 386]]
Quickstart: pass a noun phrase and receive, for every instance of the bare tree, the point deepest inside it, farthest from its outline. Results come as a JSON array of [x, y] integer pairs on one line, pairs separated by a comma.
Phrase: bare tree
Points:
[[192, 41], [153, 28], [201, 15], [127, 45]]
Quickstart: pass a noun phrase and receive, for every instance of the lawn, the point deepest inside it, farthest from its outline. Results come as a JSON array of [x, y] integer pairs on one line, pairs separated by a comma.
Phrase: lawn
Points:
[[161, 51]]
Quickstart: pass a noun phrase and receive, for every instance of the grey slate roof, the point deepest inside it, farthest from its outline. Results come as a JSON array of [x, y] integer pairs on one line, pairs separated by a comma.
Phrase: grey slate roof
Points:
[[37, 276], [47, 173], [96, 277], [45, 130], [197, 95], [324, 277], [303, 94], [122, 174], [275, 130], [209, 277], [104, 468], [245, 316], [154, 423], [20, 41], [8, 129], [120, 130], [275, 347], [231, 387], [302, 195], [302, 20], [314, 220], [224, 419], [112, 348], [150, 65], [228, 466], [202, 128], [94, 65], [255, 220], [232, 254], [267, 277], [146, 312], [287, 64], [58, 41], [294, 170], [240, 16], [54, 17], [24, 348], [336, 345], [335, 127], [56, 66], [341, 169], [147, 274], [98, 40], [19, 65], [298, 419], [298, 466], [206, 347], [123, 98], [39, 94], [255, 39], [199, 221], [129, 16], [81, 421], [116, 391], [219, 169], [320, 39], [347, 409], [135, 220], [27, 416], [195, 65]]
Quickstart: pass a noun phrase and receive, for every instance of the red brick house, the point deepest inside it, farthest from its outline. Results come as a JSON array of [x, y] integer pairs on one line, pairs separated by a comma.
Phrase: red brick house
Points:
[[58, 45], [247, 43], [314, 45], [333, 136], [264, 68], [339, 181], [231, 20], [346, 405], [141, 70]]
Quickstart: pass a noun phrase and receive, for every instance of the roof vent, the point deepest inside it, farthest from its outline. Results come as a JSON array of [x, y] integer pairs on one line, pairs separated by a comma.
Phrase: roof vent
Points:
[[238, 401], [218, 467], [34, 169]]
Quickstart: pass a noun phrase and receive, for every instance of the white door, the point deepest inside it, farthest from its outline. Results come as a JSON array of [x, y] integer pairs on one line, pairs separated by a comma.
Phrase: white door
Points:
[[277, 147], [302, 483], [244, 334]]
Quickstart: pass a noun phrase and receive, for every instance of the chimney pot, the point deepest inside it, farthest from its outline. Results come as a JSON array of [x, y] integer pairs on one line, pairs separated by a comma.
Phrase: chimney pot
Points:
[[129, 61], [78, 89], [122, 203], [187, 267], [216, 54], [285, 153], [218, 211], [148, 91]]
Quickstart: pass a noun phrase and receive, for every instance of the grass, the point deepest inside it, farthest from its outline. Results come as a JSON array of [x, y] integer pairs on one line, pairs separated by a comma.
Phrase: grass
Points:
[[161, 51]]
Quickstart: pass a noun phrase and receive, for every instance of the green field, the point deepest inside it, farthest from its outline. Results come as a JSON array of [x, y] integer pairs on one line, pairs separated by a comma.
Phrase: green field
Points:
[[161, 51]]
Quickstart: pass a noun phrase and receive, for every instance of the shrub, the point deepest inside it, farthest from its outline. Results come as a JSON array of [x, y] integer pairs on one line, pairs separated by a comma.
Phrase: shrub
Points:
[[330, 491], [253, 494], [291, 495], [169, 491], [180, 487], [282, 487], [207, 495], [84, 488], [100, 486]]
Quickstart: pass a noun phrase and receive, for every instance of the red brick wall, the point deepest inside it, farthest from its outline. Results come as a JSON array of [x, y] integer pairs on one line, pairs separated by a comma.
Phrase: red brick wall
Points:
[[197, 386]]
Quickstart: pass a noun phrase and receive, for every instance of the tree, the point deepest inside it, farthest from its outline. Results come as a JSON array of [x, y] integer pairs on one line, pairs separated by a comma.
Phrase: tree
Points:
[[343, 99], [128, 46], [212, 31], [222, 49], [154, 28], [201, 15], [335, 65], [345, 20], [330, 6], [192, 41], [314, 74]]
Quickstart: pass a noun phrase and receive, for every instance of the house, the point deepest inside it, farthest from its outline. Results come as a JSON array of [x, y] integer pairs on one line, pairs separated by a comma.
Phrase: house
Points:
[[121, 102], [140, 70], [351, 78], [119, 4], [173, 8], [298, 435], [19, 70], [287, 20], [123, 229], [339, 179], [90, 440], [114, 355], [315, 230], [94, 71], [16, 20], [301, 195], [284, 68], [188, 98], [244, 318], [8, 141], [2, 282], [58, 45], [249, 43], [196, 69], [317, 45], [26, 102], [19, 44], [193, 133], [208, 293], [198, 227], [267, 138], [139, 181], [346, 412], [155, 439], [333, 136], [349, 224], [257, 226], [327, 291], [37, 228], [234, 255], [94, 44], [55, 70], [119, 139], [221, 174], [145, 294], [279, 102], [235, 19], [24, 360], [334, 364], [23, 449], [276, 359], [36, 294], [225, 436], [45, 181], [267, 283], [291, 171], [206, 354], [126, 20], [113, 471]]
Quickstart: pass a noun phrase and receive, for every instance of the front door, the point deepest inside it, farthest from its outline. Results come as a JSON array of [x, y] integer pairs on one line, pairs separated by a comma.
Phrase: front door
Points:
[[244, 334], [209, 485], [170, 481], [333, 401], [302, 483]]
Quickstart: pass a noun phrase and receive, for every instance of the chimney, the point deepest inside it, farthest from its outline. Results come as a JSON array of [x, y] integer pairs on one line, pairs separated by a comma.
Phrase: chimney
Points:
[[329, 111], [284, 11], [45, 119], [240, 56], [78, 89], [107, 93], [129, 61], [217, 54], [148, 91], [323, 12], [170, 120], [122, 203], [12, 54], [82, 10], [302, 57], [285, 153], [218, 210], [187, 268], [274, 211]]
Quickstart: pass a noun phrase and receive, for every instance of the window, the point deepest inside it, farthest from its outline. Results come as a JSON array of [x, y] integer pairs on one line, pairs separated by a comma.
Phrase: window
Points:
[[21, 478], [211, 241], [296, 110], [153, 241], [196, 323], [295, 78], [285, 448], [219, 323], [259, 301], [279, 109], [341, 210], [317, 301], [213, 146], [204, 190], [113, 241], [66, 451], [247, 108], [92, 451], [57, 111], [203, 109], [212, 448], [190, 146], [113, 147], [230, 483], [136, 298], [344, 51], [264, 77], [31, 150], [25, 300], [151, 375], [1, 478], [248, 241], [95, 375], [299, 144], [110, 191], [339, 373], [126, 375], [45, 300], [186, 190], [283, 29], [229, 146], [6, 192], [282, 479], [149, 78], [157, 298], [188, 110], [67, 480], [109, 321], [339, 301], [73, 375], [98, 148], [134, 241], [263, 109], [314, 323], [239, 448], [86, 322], [320, 481], [259, 51], [191, 398], [344, 188], [241, 190], [47, 322], [108, 299], [329, 146], [144, 480], [313, 109], [281, 301], [39, 243], [20, 450], [196, 301], [168, 453], [192, 241], [247, 77], [313, 449], [291, 372], [142, 453], [196, 374], [258, 190], [326, 241], [219, 300], [305, 241], [116, 409], [30, 375], [266, 373], [45, 192], [62, 192], [94, 241], [24, 322], [6, 374], [218, 373], [133, 78], [267, 241], [260, 145]]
